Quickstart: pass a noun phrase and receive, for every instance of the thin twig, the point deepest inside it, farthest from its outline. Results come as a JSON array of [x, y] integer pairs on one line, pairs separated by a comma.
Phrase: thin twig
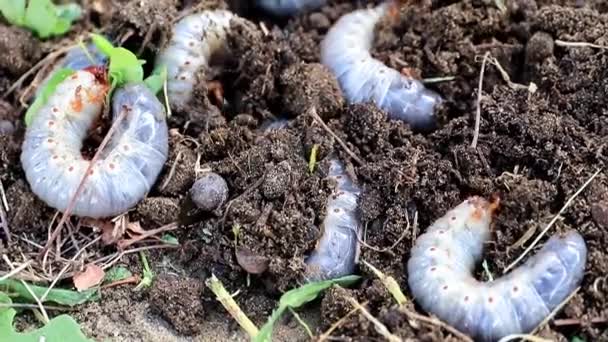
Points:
[[437, 322], [15, 271], [65, 268], [555, 311], [134, 279], [313, 112], [80, 187], [335, 325], [576, 321], [231, 306], [386, 249], [172, 170], [579, 44], [131, 251], [301, 321], [555, 218], [479, 92], [122, 244], [525, 337], [29, 290], [380, 328]]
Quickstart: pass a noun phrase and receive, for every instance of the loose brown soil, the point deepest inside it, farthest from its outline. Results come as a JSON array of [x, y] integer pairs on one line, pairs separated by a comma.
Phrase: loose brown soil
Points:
[[535, 150]]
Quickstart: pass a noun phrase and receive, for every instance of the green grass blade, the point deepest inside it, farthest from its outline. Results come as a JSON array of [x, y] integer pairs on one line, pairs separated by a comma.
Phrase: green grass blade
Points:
[[13, 11], [46, 92], [59, 296]]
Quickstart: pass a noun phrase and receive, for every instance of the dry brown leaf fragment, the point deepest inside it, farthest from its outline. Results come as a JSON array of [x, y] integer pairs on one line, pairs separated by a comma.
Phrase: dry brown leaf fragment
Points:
[[91, 276]]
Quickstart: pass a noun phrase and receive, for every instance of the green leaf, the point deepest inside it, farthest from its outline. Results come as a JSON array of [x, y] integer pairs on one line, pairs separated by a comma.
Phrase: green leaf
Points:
[[69, 12], [156, 81], [148, 275], [577, 339], [298, 297], [59, 296], [170, 239], [124, 65], [13, 11], [59, 329], [48, 90], [117, 273]]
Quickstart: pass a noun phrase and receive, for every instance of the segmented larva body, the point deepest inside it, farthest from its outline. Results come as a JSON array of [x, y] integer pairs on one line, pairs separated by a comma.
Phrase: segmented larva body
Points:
[[196, 39], [337, 249], [128, 166], [443, 259], [289, 7], [346, 52]]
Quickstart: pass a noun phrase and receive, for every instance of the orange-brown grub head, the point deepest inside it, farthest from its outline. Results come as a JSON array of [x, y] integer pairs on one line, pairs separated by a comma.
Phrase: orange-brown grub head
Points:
[[483, 206], [100, 73]]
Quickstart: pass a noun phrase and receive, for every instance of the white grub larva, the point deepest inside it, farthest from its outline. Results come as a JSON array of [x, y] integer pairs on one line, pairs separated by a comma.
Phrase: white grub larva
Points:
[[289, 7], [443, 259], [196, 39], [337, 249], [346, 51], [127, 167]]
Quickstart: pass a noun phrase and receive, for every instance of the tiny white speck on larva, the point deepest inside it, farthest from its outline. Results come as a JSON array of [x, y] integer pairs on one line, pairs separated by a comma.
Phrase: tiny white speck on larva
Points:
[[488, 311], [345, 51]]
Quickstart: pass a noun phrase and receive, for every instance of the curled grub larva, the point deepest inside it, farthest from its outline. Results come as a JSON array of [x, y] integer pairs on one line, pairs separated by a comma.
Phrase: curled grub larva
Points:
[[127, 167], [443, 259], [196, 39], [345, 50], [337, 249], [289, 7]]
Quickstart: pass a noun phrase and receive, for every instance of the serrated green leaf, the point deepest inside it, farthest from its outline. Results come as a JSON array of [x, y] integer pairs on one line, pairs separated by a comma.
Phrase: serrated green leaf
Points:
[[117, 273], [59, 296], [48, 90], [59, 329], [298, 297], [13, 11]]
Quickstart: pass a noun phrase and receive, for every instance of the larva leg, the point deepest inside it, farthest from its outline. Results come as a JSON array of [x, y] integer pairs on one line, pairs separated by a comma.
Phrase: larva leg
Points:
[[289, 7], [345, 50], [443, 259], [336, 251]]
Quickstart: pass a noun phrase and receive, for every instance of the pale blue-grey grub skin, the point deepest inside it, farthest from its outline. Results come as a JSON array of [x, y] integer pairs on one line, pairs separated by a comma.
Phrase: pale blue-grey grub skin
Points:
[[444, 257], [127, 167], [289, 7], [345, 50], [338, 248], [209, 192]]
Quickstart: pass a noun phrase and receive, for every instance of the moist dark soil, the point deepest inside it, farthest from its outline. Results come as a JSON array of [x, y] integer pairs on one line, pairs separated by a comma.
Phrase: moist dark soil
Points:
[[537, 145]]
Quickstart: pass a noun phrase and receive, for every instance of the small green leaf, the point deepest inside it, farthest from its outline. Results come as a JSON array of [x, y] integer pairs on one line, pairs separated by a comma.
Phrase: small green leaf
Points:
[[13, 11], [156, 81], [116, 273], [59, 329], [298, 297], [48, 90], [170, 239], [59, 296], [148, 276], [69, 12], [104, 45]]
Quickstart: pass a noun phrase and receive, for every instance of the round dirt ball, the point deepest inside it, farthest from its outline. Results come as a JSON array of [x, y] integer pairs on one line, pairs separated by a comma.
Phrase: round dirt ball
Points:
[[209, 192]]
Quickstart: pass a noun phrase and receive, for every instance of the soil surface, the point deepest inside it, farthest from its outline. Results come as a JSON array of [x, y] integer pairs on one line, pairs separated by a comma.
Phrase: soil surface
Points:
[[543, 132]]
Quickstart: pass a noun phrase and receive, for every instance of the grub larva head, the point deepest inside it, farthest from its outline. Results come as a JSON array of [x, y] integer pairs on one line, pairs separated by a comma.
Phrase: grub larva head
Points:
[[474, 214]]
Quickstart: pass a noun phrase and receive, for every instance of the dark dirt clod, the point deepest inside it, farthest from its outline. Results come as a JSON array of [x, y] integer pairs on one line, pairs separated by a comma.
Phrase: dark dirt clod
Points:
[[209, 192], [180, 168], [20, 50], [306, 86], [159, 210], [178, 300]]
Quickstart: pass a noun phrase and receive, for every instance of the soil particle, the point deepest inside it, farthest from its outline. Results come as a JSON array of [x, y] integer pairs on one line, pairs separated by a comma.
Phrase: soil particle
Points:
[[180, 169], [306, 86], [159, 210], [27, 213], [209, 192], [20, 50], [144, 16], [178, 300], [277, 181], [539, 47]]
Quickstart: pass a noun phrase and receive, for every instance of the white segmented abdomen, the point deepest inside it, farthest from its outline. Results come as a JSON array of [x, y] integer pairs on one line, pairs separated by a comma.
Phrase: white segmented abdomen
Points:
[[196, 39], [345, 50], [337, 250], [289, 7], [127, 167], [443, 259]]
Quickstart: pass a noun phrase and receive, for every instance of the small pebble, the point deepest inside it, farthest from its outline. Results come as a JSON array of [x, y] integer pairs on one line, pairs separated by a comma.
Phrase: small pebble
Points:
[[209, 192]]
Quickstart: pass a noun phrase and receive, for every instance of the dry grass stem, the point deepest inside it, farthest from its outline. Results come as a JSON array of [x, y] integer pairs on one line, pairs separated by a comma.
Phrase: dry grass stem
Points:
[[313, 112]]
